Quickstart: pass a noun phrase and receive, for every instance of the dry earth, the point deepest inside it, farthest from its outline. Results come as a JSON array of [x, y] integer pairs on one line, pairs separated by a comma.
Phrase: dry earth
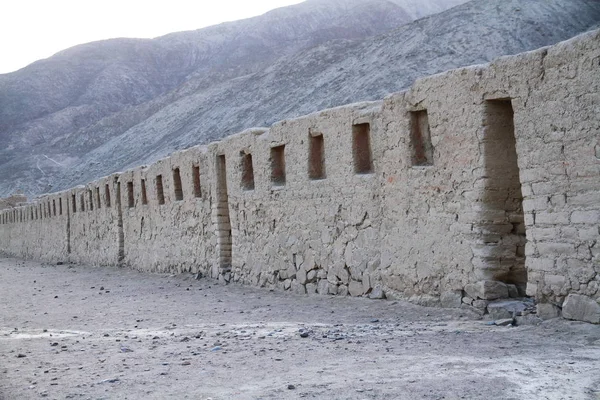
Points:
[[81, 332]]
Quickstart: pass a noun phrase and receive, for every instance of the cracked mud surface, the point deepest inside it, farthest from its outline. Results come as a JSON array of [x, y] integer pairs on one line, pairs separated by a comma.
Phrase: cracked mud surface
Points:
[[82, 332]]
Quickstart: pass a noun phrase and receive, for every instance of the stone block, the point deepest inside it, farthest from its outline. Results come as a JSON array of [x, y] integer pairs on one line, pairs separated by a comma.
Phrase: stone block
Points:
[[451, 299], [342, 290], [581, 308], [377, 293], [301, 276], [547, 311], [323, 287], [487, 290], [480, 304], [513, 292], [311, 288], [355, 288]]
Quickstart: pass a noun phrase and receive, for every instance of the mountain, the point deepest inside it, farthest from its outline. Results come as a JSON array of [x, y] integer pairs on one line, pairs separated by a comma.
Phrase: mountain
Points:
[[105, 106]]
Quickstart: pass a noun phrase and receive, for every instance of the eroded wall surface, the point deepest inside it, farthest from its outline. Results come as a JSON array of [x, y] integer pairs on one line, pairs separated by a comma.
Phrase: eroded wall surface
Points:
[[478, 183]]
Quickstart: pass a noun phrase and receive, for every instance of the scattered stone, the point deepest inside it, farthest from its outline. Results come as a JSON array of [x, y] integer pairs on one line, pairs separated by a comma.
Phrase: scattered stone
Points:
[[216, 348], [21, 355], [548, 311], [581, 308], [291, 387], [60, 263], [111, 380], [304, 334], [500, 309], [504, 322], [377, 293]]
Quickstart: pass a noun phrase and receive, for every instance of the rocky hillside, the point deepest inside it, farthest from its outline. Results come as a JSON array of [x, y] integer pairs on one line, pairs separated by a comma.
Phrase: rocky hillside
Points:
[[101, 107]]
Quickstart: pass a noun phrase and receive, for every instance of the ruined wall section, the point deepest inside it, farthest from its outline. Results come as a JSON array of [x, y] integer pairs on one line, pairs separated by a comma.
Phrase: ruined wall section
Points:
[[36, 231], [308, 234], [481, 178], [93, 225], [167, 224]]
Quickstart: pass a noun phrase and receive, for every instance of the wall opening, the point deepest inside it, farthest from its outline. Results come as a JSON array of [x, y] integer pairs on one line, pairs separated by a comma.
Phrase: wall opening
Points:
[[247, 171], [160, 194], [278, 165], [361, 148], [107, 195], [224, 240], [177, 185], [130, 196], [54, 207], [502, 223], [82, 202], [121, 232], [144, 193], [91, 196], [60, 206], [73, 203], [98, 197], [196, 179], [316, 157], [420, 138]]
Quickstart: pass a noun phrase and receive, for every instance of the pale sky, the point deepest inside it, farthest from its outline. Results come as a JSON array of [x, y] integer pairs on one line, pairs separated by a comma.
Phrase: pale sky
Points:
[[35, 29]]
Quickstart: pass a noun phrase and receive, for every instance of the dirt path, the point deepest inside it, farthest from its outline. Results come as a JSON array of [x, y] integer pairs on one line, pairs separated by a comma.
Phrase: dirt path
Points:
[[81, 332]]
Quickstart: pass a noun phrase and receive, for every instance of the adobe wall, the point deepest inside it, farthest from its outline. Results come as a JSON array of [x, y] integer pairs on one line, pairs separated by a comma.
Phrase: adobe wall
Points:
[[474, 184]]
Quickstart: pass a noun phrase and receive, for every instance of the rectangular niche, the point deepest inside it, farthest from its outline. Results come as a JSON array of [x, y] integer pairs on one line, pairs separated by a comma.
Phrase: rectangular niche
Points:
[[420, 138], [107, 194], [278, 165], [91, 197], [196, 179], [98, 201], [160, 194], [316, 157], [177, 185], [247, 171], [130, 197], [144, 193], [361, 148]]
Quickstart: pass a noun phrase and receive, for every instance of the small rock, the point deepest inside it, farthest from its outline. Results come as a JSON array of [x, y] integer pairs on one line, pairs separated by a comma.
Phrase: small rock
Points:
[[304, 334], [291, 387], [20, 355], [504, 322], [377, 293], [216, 348]]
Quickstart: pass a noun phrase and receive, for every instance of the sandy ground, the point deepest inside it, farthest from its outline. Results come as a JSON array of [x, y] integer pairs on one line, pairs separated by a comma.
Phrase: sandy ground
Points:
[[81, 332]]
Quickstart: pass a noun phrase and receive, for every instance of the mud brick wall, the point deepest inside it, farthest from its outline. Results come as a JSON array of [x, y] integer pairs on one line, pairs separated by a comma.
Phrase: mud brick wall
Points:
[[474, 184]]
